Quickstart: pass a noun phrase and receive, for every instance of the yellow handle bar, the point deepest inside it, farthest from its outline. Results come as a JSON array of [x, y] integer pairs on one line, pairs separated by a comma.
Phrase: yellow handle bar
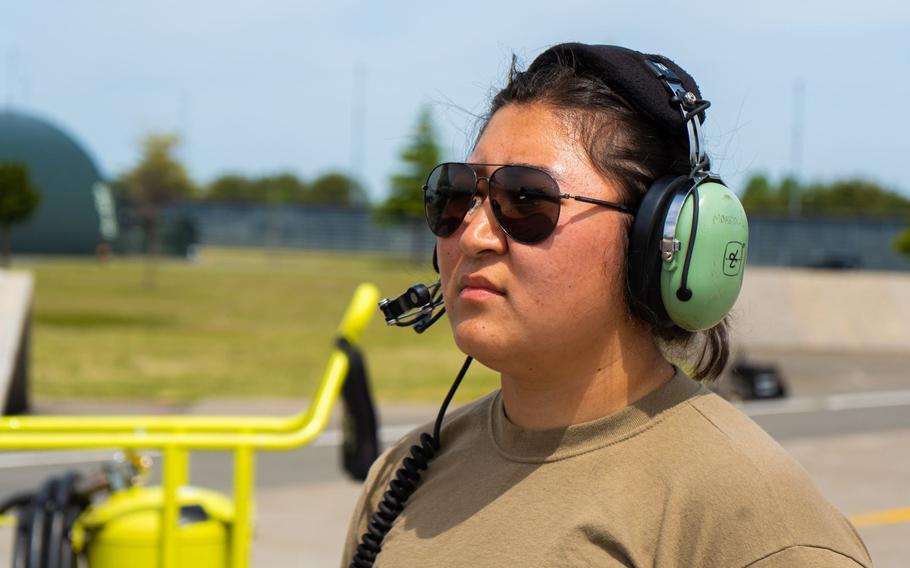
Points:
[[355, 319]]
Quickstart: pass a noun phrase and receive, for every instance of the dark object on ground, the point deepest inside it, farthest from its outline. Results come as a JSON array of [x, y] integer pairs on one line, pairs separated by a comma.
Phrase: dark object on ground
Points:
[[838, 263], [750, 380]]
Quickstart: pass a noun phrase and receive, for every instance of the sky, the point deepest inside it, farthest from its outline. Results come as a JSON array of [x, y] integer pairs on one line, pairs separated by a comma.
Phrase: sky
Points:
[[307, 87]]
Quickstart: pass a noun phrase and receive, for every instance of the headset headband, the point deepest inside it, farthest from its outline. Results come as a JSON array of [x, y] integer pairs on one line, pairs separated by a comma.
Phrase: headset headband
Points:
[[690, 106]]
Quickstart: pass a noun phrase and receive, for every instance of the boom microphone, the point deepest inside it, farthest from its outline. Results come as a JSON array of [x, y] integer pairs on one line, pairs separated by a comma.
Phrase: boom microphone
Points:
[[419, 307]]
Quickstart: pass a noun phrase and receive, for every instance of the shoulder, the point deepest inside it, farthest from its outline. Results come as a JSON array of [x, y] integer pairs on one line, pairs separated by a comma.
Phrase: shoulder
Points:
[[745, 494], [742, 460]]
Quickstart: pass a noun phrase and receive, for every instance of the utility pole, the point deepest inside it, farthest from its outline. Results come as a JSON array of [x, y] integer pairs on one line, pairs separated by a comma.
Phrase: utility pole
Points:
[[796, 145], [183, 120], [11, 67], [358, 120]]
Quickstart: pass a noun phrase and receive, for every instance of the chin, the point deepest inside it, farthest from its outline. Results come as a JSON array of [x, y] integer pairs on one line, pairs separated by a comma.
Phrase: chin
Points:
[[484, 343]]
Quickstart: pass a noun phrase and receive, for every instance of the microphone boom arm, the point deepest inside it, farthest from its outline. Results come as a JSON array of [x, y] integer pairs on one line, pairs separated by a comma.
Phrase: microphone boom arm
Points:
[[419, 307]]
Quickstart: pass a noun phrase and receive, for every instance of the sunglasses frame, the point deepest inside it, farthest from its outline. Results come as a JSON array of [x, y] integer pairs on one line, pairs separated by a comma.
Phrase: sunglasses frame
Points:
[[473, 165]]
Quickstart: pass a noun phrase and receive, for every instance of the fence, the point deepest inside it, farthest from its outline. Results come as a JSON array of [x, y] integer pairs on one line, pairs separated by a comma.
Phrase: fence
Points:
[[826, 242], [774, 241], [322, 228]]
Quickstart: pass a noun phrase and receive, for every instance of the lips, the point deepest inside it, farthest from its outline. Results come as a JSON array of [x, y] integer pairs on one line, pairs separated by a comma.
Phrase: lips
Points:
[[476, 282]]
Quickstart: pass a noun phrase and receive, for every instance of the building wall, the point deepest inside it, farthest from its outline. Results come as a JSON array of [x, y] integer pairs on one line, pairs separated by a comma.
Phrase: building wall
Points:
[[67, 220]]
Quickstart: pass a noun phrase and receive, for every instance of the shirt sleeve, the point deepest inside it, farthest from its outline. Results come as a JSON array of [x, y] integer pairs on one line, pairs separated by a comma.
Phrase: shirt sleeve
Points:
[[807, 557]]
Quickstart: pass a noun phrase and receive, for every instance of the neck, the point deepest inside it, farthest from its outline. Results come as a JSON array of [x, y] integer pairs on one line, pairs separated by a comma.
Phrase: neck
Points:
[[579, 389]]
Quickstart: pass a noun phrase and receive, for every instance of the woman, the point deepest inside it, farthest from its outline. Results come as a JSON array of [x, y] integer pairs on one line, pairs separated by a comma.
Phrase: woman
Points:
[[597, 451]]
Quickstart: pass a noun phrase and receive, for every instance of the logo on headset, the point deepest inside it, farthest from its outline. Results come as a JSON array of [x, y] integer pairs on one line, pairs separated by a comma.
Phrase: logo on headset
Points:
[[734, 256]]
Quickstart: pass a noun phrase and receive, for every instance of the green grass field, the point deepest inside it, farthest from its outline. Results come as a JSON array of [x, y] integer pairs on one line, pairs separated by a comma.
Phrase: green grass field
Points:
[[237, 323]]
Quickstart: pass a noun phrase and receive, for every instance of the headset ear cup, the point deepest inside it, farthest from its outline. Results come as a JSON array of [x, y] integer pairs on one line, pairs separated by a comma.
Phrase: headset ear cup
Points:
[[644, 263], [710, 264], [435, 260]]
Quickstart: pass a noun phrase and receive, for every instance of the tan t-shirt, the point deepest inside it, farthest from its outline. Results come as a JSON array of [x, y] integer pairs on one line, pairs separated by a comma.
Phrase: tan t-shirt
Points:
[[680, 478]]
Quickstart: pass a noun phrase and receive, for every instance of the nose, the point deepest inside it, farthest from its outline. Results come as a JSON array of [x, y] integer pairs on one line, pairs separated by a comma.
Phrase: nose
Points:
[[482, 233]]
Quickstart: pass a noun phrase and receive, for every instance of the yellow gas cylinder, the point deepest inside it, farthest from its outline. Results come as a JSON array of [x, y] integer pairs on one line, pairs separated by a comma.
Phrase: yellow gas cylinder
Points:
[[125, 530]]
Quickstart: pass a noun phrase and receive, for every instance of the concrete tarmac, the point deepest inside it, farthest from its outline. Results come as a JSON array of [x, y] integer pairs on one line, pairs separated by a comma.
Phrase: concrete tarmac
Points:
[[855, 445]]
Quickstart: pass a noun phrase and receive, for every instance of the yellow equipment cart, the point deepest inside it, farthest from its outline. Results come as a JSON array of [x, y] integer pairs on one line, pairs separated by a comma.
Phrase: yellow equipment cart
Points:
[[176, 525]]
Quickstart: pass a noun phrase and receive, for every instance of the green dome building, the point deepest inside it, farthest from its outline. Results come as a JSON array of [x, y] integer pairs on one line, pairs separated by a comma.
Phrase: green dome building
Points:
[[77, 210]]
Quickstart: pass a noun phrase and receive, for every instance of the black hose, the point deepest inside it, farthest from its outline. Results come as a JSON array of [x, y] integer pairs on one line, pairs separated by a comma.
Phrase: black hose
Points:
[[59, 544], [40, 524], [44, 521], [15, 501], [68, 556], [19, 502], [20, 545]]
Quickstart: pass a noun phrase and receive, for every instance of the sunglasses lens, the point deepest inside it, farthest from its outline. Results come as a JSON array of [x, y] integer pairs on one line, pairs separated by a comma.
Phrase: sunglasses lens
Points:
[[447, 197], [526, 202]]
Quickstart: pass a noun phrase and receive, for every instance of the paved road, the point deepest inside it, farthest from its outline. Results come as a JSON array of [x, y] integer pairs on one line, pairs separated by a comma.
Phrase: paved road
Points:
[[319, 462], [817, 373], [856, 446]]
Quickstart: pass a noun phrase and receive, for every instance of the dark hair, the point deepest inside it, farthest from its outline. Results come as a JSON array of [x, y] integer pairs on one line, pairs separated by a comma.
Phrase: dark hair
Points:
[[630, 151]]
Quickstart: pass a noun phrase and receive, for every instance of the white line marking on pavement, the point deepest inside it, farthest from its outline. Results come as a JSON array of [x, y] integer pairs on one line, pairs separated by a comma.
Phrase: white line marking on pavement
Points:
[[387, 435], [39, 458], [833, 402]]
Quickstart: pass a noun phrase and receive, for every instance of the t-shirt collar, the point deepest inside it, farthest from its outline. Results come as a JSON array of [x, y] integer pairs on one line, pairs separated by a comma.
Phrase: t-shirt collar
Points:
[[538, 446]]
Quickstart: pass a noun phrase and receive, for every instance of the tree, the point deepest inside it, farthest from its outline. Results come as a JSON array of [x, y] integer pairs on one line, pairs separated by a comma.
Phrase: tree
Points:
[[19, 199], [761, 197], [230, 188], [854, 197], [331, 188], [335, 188], [902, 242], [422, 154], [405, 203], [159, 180], [274, 189], [850, 197], [280, 188]]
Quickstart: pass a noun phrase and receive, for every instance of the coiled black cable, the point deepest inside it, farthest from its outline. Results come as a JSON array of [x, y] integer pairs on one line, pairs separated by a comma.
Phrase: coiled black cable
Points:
[[405, 483], [44, 521], [68, 505]]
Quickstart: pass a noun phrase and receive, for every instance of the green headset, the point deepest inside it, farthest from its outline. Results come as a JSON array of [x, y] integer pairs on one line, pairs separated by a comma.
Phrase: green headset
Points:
[[688, 242]]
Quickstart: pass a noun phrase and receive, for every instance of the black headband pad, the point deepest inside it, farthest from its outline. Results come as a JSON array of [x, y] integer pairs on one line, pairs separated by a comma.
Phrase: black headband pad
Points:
[[626, 73]]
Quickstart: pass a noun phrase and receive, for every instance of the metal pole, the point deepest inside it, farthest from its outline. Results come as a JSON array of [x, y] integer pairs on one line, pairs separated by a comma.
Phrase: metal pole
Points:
[[358, 120], [796, 146], [12, 59], [175, 475], [244, 481]]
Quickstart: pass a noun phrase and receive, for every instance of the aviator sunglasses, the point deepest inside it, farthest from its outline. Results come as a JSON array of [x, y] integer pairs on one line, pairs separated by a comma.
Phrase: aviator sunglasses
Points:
[[525, 200]]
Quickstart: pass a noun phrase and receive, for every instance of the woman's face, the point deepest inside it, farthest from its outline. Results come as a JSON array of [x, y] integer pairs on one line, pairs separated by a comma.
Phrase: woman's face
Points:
[[517, 307]]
